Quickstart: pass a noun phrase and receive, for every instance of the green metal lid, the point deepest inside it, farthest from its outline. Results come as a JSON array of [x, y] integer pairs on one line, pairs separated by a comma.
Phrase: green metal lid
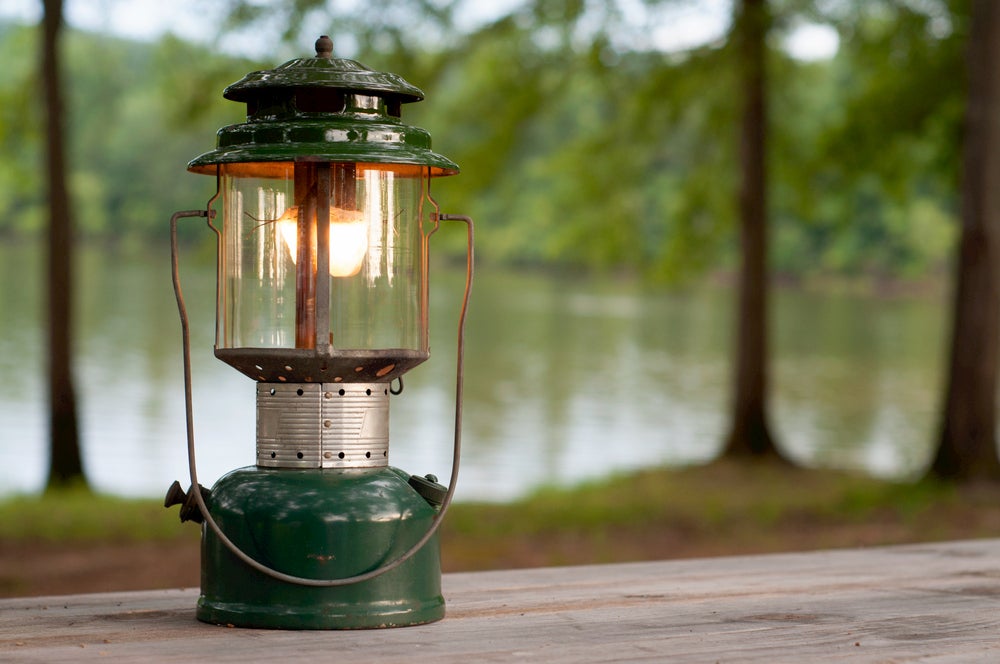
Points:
[[322, 109], [323, 71]]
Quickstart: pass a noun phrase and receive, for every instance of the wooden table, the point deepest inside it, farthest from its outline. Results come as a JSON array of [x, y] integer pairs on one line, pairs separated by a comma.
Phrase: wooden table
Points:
[[932, 603]]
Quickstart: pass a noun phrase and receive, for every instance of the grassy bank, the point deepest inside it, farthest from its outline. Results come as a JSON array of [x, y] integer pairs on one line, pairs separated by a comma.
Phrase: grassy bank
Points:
[[79, 516], [71, 542], [720, 508]]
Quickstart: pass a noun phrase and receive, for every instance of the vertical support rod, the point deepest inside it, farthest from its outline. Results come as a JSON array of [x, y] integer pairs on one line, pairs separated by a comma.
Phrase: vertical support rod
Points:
[[322, 301], [344, 193], [345, 185], [425, 235], [305, 261]]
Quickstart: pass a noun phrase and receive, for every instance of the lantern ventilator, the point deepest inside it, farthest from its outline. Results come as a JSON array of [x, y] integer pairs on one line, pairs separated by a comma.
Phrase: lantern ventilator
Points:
[[322, 299]]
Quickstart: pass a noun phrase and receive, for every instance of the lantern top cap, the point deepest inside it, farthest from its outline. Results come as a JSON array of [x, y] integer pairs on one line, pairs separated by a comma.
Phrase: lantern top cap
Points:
[[323, 71], [322, 109]]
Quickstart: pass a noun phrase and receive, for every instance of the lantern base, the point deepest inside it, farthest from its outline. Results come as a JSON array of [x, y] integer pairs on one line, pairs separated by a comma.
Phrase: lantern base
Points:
[[320, 524]]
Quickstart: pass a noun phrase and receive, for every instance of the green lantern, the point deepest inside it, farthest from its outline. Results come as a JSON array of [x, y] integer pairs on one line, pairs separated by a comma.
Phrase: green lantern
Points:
[[322, 299]]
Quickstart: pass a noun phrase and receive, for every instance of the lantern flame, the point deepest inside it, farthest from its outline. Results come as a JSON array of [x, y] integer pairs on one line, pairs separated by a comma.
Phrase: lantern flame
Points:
[[348, 239]]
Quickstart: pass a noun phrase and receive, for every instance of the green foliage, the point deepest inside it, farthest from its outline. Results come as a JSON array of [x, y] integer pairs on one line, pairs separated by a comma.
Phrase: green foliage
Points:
[[878, 193], [576, 149]]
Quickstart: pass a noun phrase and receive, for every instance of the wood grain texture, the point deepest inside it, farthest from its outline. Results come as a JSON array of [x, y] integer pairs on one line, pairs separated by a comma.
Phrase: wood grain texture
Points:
[[932, 603]]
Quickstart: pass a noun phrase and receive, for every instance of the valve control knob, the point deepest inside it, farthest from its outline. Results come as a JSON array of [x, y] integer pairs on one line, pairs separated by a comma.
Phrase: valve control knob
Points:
[[429, 489], [189, 505]]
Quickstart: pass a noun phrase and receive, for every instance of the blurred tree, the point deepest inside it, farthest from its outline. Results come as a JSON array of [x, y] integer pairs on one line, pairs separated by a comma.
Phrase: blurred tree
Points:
[[749, 434], [65, 463], [125, 138], [968, 445]]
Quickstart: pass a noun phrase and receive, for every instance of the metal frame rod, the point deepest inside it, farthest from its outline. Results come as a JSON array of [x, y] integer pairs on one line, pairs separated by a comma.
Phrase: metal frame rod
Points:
[[322, 303]]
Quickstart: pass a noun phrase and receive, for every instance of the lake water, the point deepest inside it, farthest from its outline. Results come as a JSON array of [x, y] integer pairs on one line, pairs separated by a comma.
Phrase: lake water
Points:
[[567, 379]]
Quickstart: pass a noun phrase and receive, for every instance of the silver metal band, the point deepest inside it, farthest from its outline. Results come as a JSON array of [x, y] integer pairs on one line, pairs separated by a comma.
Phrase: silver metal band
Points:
[[322, 425]]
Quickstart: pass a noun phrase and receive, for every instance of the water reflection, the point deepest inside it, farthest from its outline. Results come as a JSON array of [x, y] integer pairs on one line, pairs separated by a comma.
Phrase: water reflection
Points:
[[566, 379]]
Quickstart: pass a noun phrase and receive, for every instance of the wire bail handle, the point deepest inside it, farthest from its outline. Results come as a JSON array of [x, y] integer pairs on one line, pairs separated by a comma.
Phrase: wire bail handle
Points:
[[209, 215]]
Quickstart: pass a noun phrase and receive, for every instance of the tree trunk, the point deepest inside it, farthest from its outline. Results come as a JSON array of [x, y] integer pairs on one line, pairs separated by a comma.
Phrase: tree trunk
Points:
[[65, 465], [967, 448], [750, 433]]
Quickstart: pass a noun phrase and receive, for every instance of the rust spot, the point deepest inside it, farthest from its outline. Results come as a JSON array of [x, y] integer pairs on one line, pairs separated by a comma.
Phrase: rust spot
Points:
[[322, 559], [384, 370]]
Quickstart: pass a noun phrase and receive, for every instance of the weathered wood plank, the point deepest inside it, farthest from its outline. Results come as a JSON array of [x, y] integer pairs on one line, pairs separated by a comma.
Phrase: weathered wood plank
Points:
[[935, 603]]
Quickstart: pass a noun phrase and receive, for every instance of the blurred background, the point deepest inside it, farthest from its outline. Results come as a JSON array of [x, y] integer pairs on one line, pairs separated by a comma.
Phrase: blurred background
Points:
[[600, 146]]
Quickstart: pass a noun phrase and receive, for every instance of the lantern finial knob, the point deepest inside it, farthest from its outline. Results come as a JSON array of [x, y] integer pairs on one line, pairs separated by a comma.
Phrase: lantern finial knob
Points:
[[324, 47]]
